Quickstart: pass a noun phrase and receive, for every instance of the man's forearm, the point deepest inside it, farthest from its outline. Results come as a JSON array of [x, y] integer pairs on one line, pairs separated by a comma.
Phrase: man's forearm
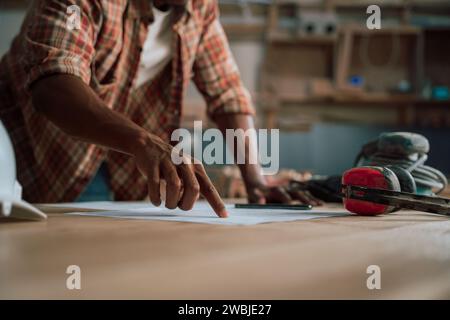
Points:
[[75, 108], [251, 173]]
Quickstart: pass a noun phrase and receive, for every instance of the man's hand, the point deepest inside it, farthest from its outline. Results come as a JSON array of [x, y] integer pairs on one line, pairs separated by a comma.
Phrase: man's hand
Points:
[[75, 108], [261, 193], [184, 182], [257, 188]]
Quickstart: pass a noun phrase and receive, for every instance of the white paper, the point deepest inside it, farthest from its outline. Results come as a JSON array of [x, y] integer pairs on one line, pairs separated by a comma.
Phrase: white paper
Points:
[[99, 205], [202, 213]]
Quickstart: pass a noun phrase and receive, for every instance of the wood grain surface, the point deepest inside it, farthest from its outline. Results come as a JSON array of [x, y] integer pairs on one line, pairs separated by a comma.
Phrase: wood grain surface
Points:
[[324, 258]]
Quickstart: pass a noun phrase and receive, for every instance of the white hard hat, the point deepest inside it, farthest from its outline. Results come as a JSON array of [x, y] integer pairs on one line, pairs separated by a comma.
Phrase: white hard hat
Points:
[[11, 203]]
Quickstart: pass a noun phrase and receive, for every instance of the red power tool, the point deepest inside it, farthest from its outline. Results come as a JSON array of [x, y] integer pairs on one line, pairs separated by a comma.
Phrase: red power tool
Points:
[[375, 190]]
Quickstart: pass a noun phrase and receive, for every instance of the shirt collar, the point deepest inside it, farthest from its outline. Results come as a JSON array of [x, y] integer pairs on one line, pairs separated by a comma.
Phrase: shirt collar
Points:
[[142, 9]]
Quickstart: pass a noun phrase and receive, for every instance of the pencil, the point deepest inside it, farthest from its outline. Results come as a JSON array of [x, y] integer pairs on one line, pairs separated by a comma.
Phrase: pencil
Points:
[[273, 206]]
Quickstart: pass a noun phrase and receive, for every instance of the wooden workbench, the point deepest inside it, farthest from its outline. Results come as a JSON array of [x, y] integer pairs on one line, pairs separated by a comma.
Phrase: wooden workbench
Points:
[[324, 258]]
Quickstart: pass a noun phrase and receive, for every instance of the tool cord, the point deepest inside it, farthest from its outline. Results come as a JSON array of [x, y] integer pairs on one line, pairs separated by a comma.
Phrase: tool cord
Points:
[[423, 175]]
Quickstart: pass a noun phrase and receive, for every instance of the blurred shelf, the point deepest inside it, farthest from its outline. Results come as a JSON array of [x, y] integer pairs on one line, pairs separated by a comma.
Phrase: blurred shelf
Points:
[[393, 4], [350, 4], [278, 36], [387, 30], [399, 110], [286, 37], [370, 100], [312, 4], [244, 31]]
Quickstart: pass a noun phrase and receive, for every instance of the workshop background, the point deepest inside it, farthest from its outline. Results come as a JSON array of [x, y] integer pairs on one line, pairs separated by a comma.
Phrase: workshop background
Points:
[[330, 84]]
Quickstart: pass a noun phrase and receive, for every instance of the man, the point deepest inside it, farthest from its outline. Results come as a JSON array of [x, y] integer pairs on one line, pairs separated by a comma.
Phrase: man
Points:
[[107, 95]]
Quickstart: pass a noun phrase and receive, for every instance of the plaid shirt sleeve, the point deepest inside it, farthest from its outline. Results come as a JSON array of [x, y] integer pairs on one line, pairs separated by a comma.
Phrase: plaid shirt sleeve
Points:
[[52, 48], [216, 74]]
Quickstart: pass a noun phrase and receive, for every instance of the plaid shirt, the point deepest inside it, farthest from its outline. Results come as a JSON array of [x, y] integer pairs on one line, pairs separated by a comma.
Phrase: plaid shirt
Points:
[[105, 54]]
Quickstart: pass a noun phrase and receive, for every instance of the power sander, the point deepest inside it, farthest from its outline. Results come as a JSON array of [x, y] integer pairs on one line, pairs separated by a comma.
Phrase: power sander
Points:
[[389, 174]]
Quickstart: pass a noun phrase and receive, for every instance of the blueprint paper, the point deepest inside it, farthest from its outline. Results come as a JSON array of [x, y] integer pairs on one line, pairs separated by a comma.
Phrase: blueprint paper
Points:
[[202, 213]]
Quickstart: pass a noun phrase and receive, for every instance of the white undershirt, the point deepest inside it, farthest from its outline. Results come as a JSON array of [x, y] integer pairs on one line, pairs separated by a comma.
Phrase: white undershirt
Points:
[[157, 50]]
